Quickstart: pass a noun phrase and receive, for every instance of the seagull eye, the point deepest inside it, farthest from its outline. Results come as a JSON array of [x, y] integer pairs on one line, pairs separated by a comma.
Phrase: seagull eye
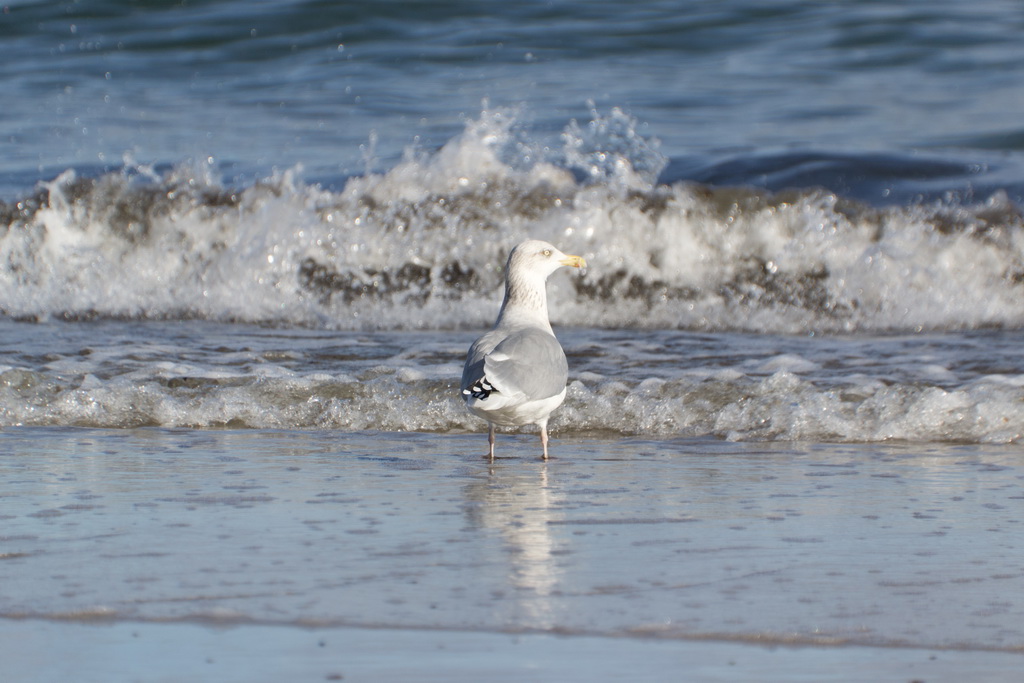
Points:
[[547, 252]]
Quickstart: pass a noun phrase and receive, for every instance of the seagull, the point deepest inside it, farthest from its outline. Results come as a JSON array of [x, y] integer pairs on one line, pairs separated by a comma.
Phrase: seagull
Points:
[[516, 374]]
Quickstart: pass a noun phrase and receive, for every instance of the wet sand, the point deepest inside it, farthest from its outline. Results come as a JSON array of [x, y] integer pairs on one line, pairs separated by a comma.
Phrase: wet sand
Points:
[[67, 651], [262, 555]]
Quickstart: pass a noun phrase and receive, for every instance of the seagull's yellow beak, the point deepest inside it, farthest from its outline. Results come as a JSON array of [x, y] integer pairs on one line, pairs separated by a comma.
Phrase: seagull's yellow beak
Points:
[[574, 261]]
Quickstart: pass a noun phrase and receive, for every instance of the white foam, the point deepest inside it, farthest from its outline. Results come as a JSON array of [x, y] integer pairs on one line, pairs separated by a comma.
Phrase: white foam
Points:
[[796, 401], [422, 245], [788, 362]]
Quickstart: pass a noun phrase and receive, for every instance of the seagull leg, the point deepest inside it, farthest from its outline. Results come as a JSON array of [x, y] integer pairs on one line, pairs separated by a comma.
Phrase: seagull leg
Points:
[[490, 440], [544, 437]]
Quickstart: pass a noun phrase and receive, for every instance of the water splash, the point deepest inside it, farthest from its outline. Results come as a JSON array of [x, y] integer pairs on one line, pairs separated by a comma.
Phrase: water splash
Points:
[[422, 245]]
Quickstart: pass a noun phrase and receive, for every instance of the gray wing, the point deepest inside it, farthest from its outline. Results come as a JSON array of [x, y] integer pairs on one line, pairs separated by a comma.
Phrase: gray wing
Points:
[[529, 362], [473, 371]]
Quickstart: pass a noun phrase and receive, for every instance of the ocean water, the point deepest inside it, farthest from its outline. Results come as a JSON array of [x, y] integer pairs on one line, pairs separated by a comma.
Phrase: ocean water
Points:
[[802, 221]]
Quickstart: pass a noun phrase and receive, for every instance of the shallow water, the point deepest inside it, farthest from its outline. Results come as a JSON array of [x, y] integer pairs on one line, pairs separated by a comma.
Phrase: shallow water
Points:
[[793, 544]]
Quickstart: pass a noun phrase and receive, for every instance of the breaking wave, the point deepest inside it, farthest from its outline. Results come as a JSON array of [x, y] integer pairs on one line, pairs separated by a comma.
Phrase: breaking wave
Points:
[[422, 245]]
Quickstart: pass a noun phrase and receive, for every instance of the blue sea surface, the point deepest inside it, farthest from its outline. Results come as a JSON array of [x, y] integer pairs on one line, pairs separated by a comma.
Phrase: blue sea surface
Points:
[[737, 91]]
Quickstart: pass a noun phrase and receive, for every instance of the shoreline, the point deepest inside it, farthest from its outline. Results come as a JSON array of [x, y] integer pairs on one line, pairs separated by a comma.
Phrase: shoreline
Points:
[[769, 641], [96, 651]]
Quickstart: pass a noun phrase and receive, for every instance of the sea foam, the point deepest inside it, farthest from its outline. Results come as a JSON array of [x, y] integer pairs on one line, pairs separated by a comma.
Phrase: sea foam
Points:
[[953, 387], [422, 245]]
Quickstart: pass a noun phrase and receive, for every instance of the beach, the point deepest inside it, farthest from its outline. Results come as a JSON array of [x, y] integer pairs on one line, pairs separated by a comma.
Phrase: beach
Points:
[[244, 248], [857, 562]]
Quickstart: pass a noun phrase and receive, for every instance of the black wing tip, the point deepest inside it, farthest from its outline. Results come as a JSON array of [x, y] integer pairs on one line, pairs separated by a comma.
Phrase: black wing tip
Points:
[[480, 391]]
